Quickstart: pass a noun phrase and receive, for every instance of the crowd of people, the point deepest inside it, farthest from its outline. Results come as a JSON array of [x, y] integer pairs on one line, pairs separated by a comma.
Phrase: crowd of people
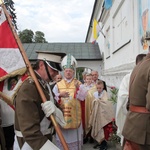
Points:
[[81, 109]]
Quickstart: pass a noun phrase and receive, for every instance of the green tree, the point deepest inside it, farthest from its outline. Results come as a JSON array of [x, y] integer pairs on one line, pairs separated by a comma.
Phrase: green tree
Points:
[[10, 7], [26, 36], [39, 37], [79, 73]]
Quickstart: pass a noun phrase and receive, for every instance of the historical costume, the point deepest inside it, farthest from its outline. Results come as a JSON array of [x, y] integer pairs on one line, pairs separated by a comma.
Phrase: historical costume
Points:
[[88, 107], [102, 114], [137, 125], [32, 127], [72, 132], [86, 87]]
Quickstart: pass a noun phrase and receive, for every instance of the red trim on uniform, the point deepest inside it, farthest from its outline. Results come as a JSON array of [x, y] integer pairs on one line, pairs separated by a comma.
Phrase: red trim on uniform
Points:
[[23, 77], [12, 107]]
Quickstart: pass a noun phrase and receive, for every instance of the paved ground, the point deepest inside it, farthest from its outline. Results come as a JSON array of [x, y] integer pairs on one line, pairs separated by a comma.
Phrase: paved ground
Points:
[[89, 146]]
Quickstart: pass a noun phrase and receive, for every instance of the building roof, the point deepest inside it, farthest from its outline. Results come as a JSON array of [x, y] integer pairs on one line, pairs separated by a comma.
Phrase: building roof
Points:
[[81, 51]]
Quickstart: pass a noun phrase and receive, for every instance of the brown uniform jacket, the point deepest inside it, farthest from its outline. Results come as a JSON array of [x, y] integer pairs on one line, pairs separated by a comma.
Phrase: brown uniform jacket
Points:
[[29, 114], [137, 125]]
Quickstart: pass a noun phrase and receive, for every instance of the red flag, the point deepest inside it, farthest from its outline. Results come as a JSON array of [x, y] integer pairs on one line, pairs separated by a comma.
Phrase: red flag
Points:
[[15, 63], [11, 61], [12, 65]]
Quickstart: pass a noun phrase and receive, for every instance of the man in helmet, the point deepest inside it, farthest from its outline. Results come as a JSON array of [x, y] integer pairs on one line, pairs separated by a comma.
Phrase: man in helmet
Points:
[[31, 125], [65, 95]]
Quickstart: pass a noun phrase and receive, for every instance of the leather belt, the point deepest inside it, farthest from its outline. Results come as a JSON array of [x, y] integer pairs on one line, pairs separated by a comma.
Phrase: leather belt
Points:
[[138, 109]]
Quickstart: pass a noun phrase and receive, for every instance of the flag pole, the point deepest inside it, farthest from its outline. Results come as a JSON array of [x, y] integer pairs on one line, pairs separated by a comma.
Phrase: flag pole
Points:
[[43, 97]]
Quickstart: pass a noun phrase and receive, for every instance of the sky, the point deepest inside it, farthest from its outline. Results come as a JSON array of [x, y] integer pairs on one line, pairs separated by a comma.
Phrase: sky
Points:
[[60, 20]]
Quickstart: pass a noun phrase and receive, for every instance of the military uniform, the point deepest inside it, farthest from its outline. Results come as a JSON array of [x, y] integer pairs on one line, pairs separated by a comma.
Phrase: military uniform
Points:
[[31, 125], [137, 124]]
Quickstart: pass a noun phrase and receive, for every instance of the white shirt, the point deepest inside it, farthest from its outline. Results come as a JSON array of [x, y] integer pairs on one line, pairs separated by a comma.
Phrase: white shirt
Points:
[[98, 95], [7, 114]]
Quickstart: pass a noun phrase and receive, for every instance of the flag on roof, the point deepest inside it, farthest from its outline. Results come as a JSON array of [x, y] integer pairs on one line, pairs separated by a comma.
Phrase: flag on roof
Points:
[[11, 62]]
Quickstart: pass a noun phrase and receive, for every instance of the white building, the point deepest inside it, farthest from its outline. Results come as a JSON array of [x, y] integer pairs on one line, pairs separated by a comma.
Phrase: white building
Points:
[[123, 24]]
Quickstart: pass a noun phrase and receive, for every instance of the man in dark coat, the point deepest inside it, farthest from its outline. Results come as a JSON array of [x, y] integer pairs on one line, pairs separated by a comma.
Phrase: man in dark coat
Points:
[[136, 129]]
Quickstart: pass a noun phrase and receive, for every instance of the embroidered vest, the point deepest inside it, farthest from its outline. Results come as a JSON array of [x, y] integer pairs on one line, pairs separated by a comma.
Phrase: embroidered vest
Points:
[[71, 106]]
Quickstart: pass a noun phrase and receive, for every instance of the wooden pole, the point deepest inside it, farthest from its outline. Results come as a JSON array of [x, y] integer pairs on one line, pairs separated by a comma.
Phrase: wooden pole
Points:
[[22, 51]]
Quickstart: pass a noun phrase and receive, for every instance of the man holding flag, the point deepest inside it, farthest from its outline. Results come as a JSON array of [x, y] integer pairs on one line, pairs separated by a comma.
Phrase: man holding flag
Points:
[[31, 125]]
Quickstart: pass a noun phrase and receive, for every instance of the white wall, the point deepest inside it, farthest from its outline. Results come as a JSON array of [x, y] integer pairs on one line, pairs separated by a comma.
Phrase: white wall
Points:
[[121, 32], [94, 65], [122, 43]]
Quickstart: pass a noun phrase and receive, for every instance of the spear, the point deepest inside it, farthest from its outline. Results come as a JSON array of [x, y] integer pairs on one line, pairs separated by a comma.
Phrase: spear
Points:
[[43, 97]]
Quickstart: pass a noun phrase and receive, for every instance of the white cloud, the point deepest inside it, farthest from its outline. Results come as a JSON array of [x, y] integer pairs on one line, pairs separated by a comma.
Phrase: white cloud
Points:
[[60, 21]]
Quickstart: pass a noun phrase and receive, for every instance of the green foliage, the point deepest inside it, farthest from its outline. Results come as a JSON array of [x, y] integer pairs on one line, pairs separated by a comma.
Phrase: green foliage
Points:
[[114, 95], [79, 73], [39, 37], [113, 137], [28, 36], [10, 7]]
